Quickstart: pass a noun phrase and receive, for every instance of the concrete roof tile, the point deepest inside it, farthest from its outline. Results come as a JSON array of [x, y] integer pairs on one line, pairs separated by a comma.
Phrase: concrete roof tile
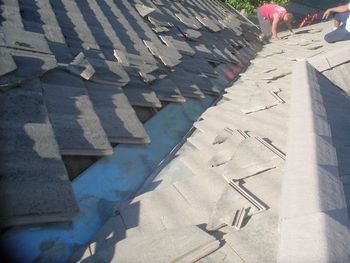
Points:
[[183, 244], [7, 62], [167, 90], [118, 118], [31, 149], [76, 118], [29, 66]]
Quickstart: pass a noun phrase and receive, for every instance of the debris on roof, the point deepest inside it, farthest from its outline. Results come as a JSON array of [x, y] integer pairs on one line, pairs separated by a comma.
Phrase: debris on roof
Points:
[[79, 75], [232, 171]]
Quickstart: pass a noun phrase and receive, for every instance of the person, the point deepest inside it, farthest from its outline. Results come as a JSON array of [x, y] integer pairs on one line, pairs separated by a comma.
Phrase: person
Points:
[[341, 30], [270, 16]]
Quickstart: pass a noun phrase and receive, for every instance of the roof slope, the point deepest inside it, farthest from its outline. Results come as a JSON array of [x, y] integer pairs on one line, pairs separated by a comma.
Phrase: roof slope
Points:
[[75, 71], [230, 179]]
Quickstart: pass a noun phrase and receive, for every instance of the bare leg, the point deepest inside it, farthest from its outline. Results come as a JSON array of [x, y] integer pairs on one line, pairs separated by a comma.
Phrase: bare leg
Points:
[[336, 24]]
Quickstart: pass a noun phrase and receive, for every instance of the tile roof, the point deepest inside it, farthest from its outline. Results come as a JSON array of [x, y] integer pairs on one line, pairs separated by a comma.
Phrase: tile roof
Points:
[[74, 72], [270, 155]]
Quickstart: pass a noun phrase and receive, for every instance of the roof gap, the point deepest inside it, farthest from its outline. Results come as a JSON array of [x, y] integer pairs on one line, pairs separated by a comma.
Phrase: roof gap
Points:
[[75, 164]]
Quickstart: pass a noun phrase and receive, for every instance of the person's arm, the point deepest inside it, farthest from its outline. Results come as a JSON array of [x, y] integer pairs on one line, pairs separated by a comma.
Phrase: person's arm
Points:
[[338, 9], [289, 25], [275, 21]]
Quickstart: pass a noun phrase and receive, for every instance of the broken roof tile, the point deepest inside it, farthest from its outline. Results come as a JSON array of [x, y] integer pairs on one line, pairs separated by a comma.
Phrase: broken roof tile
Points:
[[81, 67], [144, 10]]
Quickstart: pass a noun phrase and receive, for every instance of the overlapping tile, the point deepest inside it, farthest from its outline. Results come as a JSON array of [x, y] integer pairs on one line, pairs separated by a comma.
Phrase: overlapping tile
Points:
[[76, 125], [30, 162], [167, 90], [87, 115], [29, 66], [117, 117], [7, 62]]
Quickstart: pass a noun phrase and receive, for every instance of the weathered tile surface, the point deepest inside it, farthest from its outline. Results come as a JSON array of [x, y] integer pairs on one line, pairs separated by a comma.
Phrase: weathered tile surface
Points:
[[117, 117], [34, 183], [76, 125], [29, 66], [7, 62], [167, 90]]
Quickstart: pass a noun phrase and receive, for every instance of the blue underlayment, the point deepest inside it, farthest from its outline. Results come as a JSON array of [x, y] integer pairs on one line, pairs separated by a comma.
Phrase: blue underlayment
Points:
[[109, 180]]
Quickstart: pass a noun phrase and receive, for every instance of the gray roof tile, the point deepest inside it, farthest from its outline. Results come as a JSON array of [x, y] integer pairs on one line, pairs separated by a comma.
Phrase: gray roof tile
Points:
[[117, 117], [76, 125], [29, 66], [80, 66], [183, 47], [189, 33], [167, 90], [73, 116], [24, 40], [30, 149], [208, 23], [7, 62], [168, 55]]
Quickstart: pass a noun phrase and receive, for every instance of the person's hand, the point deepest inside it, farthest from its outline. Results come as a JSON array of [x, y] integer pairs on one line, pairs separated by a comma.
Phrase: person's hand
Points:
[[327, 14]]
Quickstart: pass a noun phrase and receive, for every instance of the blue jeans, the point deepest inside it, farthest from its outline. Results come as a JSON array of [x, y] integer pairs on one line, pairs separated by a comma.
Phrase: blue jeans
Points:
[[341, 17], [340, 34]]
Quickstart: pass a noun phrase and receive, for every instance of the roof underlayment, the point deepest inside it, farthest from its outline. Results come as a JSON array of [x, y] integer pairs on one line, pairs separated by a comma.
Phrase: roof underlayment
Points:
[[260, 176]]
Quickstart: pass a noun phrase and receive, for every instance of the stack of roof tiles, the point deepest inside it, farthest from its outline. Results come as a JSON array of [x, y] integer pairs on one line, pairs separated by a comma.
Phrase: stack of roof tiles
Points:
[[72, 71]]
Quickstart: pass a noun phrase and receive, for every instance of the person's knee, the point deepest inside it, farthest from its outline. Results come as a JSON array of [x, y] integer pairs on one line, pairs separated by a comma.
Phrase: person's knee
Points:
[[328, 38]]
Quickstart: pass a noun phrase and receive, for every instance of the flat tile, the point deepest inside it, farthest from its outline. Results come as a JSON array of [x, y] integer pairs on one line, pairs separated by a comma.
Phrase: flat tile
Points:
[[118, 118], [20, 39], [167, 90], [34, 183], [7, 64], [76, 125], [29, 66]]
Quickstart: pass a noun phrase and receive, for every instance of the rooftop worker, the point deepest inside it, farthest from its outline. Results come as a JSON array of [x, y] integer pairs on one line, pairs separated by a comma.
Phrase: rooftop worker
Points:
[[270, 16], [341, 23]]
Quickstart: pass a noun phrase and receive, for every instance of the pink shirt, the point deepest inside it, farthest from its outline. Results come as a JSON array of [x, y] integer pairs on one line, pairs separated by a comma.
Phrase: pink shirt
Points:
[[267, 11]]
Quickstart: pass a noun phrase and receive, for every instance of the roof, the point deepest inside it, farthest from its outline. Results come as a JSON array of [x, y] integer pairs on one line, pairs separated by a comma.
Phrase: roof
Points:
[[79, 76], [212, 195], [264, 171]]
